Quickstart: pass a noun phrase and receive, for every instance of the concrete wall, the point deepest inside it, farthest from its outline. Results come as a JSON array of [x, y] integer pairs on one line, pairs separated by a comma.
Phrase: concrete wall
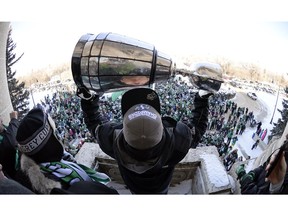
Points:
[[5, 101]]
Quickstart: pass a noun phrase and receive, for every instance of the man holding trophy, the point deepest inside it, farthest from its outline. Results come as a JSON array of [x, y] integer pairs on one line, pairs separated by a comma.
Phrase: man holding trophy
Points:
[[146, 146]]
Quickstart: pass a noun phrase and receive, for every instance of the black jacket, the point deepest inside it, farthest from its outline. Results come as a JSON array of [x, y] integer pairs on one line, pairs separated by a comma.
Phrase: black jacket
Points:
[[154, 167], [8, 147], [258, 185]]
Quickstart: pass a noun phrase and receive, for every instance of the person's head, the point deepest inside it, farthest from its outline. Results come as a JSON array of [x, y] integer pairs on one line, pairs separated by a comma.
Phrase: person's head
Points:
[[142, 124], [37, 139], [135, 80]]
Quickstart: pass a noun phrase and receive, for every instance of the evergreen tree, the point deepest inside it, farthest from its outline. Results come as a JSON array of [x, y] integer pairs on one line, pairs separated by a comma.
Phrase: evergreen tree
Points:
[[279, 127], [18, 94]]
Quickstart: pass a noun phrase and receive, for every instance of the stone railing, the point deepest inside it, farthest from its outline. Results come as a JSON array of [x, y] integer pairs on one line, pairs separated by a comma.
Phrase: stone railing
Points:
[[201, 170]]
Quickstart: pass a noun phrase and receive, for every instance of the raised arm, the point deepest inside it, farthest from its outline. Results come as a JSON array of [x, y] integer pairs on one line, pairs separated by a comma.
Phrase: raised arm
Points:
[[199, 117], [90, 108]]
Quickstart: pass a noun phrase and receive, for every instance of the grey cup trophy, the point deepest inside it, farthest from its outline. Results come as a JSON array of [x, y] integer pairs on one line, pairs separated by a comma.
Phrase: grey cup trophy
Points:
[[110, 62]]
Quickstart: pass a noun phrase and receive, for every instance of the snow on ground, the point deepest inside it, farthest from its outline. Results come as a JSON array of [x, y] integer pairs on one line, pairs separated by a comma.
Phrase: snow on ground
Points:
[[216, 173], [267, 102]]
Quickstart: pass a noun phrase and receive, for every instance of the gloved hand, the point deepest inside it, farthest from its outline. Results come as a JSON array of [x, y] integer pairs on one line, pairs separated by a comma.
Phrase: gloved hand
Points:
[[240, 171], [204, 93], [86, 94], [14, 114]]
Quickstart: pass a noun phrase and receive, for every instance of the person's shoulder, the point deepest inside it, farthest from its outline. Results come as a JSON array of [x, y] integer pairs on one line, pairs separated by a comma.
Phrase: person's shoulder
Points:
[[9, 186], [112, 125], [169, 121]]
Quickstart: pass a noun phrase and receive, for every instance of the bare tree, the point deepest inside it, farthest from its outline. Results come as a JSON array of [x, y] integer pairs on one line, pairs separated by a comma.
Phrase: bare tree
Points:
[[225, 64], [251, 68]]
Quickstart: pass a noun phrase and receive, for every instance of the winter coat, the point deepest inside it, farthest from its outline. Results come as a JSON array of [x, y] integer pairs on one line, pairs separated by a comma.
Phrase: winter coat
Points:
[[178, 139], [8, 146], [254, 181], [32, 176], [9, 186]]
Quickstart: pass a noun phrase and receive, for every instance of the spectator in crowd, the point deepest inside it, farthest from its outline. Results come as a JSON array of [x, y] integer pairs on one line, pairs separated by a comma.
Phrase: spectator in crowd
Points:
[[259, 128], [254, 146], [44, 165], [256, 181], [8, 145], [230, 159], [234, 140], [146, 146]]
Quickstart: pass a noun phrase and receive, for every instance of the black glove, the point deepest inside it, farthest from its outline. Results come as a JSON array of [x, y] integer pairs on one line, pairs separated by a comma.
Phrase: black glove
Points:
[[85, 94]]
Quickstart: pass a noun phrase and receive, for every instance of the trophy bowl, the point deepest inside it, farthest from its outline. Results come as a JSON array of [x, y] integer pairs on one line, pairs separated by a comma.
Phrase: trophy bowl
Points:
[[109, 62]]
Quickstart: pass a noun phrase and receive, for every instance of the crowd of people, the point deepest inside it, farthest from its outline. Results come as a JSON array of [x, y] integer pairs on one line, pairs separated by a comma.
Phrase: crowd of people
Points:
[[226, 119], [64, 107]]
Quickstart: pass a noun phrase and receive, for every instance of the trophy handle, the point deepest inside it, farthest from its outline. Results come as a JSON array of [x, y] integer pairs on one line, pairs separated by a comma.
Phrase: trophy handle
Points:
[[204, 75]]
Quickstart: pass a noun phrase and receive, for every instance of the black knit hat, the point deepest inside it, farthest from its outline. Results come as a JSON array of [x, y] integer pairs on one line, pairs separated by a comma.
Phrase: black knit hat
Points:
[[36, 138], [140, 96]]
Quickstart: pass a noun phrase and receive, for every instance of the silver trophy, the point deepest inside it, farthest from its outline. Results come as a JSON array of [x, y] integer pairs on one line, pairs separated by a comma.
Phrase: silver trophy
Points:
[[204, 75], [110, 62]]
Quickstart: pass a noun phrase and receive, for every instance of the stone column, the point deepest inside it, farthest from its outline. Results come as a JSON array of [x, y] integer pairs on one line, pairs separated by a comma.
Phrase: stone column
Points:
[[5, 100]]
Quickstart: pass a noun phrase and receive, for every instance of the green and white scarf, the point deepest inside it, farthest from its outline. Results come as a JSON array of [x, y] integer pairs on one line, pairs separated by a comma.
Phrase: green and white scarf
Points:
[[70, 172]]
